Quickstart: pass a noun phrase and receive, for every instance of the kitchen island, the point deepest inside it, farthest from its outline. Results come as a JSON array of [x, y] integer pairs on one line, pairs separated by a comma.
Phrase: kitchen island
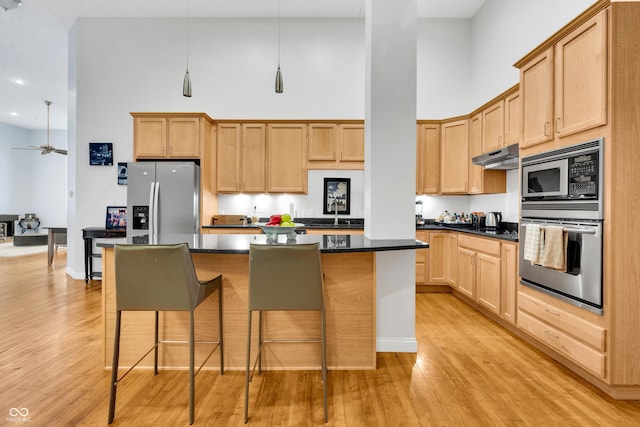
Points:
[[350, 293]]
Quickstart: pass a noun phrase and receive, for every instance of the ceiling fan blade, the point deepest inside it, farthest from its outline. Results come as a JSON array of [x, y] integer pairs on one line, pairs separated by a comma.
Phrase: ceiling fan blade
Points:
[[59, 151], [25, 148]]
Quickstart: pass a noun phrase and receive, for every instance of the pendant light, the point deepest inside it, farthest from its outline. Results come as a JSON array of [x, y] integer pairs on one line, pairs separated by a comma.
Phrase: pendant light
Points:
[[279, 86], [186, 82]]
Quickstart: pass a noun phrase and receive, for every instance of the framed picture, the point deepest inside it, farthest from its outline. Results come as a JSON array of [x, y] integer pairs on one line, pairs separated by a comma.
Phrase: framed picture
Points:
[[122, 173], [101, 154], [337, 195], [334, 241], [116, 218]]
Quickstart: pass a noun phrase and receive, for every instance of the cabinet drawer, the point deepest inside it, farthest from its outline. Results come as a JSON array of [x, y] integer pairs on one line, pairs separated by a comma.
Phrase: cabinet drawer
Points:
[[564, 344], [587, 332], [488, 246]]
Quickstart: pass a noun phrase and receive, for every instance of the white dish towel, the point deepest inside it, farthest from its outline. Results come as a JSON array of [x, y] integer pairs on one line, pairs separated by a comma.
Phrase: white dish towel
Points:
[[532, 243]]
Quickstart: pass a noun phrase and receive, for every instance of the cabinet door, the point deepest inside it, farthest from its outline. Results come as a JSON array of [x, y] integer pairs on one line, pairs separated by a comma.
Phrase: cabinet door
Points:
[[436, 259], [351, 142], [428, 159], [228, 159], [421, 259], [475, 149], [512, 119], [455, 157], [581, 77], [253, 157], [323, 142], [493, 127], [286, 158], [420, 159], [488, 280], [184, 137], [536, 92], [466, 272], [150, 137], [509, 281], [451, 259]]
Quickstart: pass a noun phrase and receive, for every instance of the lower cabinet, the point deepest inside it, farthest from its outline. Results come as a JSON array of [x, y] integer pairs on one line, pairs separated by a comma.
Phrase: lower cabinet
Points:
[[422, 258], [480, 271], [437, 256], [575, 338]]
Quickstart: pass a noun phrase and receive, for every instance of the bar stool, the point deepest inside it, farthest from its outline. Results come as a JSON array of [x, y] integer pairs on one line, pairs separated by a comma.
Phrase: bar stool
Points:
[[161, 278], [284, 277]]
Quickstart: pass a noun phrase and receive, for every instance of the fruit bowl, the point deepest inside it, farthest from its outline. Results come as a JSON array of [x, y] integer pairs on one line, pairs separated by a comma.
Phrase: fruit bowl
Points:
[[272, 231]]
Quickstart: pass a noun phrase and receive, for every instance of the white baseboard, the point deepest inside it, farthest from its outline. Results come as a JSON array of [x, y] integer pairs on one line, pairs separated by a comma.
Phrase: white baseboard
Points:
[[397, 345]]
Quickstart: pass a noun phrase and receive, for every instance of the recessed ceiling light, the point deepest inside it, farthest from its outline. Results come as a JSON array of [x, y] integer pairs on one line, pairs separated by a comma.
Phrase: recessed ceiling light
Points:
[[14, 114], [19, 82]]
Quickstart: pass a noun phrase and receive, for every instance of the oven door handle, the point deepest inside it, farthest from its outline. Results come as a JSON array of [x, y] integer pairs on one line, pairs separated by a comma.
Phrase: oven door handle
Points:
[[579, 230]]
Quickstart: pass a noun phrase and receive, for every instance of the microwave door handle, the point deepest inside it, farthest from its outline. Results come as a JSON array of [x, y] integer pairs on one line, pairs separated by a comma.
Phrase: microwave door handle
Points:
[[580, 230]]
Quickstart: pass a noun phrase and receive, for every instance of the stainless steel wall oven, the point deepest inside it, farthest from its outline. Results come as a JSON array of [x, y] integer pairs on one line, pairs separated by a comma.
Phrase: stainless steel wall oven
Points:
[[564, 188]]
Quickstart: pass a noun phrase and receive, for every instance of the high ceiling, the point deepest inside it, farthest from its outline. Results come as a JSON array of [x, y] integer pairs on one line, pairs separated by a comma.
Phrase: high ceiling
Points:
[[33, 40]]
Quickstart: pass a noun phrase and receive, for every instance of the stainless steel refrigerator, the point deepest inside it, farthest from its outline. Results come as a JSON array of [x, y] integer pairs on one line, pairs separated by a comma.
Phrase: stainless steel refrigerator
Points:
[[163, 198]]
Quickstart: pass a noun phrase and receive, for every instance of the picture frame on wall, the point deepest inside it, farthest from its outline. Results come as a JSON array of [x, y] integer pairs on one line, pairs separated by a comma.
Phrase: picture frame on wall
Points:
[[100, 154], [122, 173], [337, 194]]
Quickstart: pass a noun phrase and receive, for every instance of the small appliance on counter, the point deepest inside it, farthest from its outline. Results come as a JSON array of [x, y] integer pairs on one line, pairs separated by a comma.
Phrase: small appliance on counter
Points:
[[419, 218], [493, 220]]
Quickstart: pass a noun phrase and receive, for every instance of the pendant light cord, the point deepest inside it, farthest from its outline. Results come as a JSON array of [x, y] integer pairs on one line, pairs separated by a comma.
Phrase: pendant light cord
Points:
[[278, 33], [48, 106], [187, 27]]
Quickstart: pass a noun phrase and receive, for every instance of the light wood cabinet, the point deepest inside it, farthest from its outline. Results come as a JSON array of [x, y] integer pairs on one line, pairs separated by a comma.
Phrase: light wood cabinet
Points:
[[422, 258], [493, 127], [479, 271], [512, 128], [563, 89], [575, 338], [475, 149], [509, 281], [336, 146], [286, 158], [169, 135], [455, 157], [428, 158], [436, 271], [451, 259], [241, 157], [351, 142]]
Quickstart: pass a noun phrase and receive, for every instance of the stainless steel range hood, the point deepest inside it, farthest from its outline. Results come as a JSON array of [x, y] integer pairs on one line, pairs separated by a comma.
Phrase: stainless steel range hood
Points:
[[505, 158]]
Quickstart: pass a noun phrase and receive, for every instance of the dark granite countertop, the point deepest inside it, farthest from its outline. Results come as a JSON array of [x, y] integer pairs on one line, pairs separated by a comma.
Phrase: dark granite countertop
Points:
[[239, 243], [500, 234], [315, 223]]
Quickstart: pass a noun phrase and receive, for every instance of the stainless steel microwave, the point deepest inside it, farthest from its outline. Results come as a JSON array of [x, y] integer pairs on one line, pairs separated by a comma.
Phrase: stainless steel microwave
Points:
[[564, 183]]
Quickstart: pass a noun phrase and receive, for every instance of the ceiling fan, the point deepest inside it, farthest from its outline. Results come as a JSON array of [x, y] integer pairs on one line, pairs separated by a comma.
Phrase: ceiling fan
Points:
[[48, 148]]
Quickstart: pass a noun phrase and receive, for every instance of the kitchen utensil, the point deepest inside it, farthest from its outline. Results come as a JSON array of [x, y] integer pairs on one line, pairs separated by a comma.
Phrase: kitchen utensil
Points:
[[493, 220]]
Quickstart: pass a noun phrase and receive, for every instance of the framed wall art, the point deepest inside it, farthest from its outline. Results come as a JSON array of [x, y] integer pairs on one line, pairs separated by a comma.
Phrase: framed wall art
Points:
[[337, 195], [100, 154]]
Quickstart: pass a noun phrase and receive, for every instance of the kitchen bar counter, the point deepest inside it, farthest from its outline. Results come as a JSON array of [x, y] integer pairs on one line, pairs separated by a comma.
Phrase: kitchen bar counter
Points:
[[348, 263]]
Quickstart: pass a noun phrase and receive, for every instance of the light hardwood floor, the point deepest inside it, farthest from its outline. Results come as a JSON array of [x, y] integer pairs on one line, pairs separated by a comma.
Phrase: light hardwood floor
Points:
[[468, 372]]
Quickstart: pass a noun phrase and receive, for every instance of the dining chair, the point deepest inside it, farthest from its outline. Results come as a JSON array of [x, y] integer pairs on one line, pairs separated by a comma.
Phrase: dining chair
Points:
[[161, 278], [284, 277]]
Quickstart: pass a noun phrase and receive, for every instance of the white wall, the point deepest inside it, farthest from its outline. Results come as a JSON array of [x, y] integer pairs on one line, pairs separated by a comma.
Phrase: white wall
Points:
[[32, 182]]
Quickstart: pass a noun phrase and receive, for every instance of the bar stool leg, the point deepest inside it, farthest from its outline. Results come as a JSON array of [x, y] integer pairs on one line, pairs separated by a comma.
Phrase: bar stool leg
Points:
[[220, 326], [155, 352], [114, 368], [324, 366], [246, 383], [191, 363]]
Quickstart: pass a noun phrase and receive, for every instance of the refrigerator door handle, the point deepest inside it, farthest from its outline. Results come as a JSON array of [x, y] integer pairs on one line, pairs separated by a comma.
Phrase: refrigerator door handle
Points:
[[152, 190], [155, 207]]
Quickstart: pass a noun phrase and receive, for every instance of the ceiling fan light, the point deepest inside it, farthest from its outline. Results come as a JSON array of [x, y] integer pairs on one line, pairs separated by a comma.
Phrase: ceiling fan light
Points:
[[10, 4]]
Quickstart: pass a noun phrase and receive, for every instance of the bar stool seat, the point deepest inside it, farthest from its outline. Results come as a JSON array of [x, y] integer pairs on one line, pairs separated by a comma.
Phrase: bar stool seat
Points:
[[161, 278], [284, 277]]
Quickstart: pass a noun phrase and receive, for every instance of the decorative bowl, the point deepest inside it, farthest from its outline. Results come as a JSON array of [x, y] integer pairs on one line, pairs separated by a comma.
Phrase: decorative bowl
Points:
[[272, 231]]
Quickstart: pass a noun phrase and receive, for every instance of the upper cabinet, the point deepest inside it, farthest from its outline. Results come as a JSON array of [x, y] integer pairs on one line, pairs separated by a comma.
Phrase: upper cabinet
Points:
[[428, 158], [169, 135], [336, 146], [241, 157], [454, 152], [493, 127], [563, 87], [286, 158], [512, 128]]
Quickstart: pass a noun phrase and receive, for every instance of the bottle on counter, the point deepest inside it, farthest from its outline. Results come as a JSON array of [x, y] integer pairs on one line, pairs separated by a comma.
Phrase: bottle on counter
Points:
[[254, 218]]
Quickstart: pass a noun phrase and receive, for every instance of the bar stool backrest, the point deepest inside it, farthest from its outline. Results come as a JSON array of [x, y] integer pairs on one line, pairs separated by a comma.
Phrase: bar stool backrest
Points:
[[285, 277], [155, 278]]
